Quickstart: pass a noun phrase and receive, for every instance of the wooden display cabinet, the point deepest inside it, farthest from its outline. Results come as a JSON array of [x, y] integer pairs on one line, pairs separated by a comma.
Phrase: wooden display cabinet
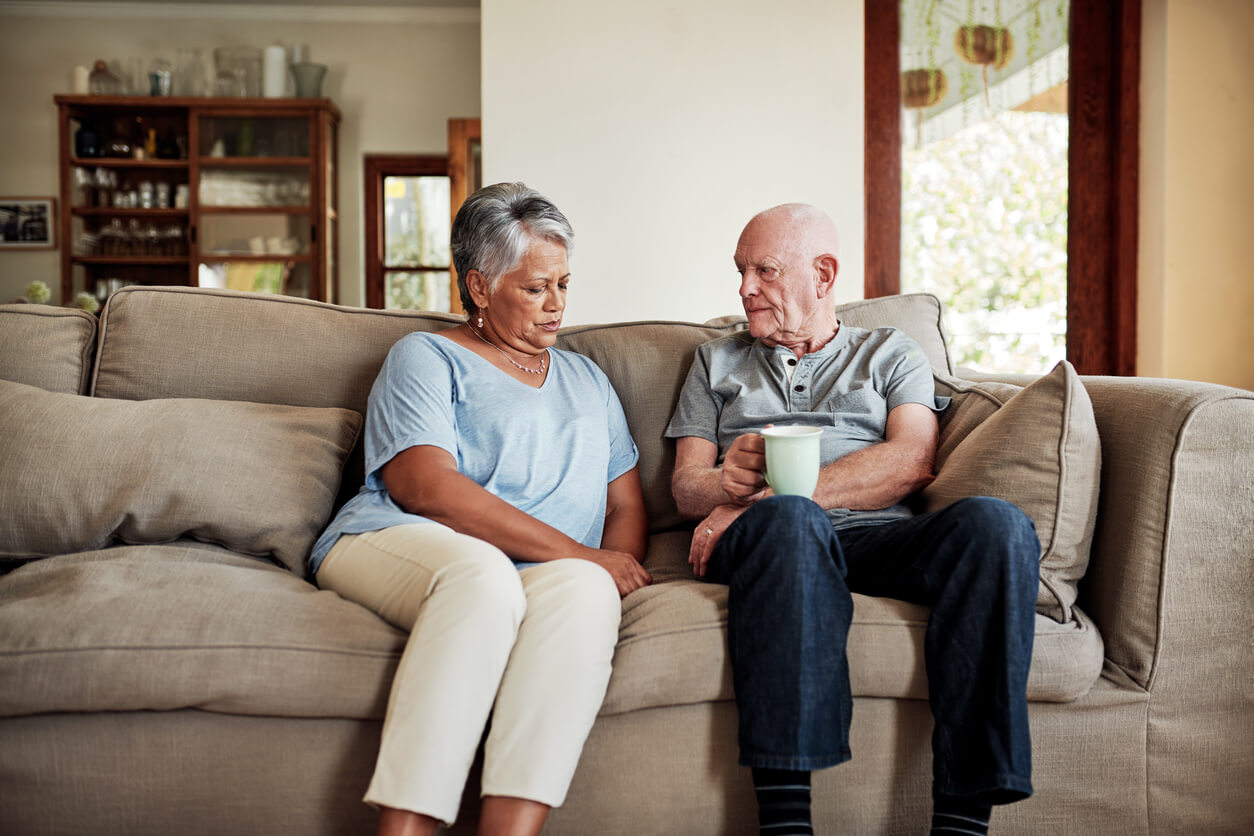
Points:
[[202, 192]]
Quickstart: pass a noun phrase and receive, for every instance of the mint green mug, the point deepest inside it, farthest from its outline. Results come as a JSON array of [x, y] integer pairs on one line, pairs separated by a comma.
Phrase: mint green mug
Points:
[[792, 459]]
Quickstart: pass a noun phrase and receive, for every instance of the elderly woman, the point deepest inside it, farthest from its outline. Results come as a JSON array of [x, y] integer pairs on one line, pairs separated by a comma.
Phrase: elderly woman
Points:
[[500, 522]]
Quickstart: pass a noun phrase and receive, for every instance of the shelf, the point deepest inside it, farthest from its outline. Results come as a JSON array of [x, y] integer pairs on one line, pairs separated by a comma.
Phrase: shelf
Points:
[[131, 259], [253, 162], [126, 212], [267, 258], [220, 106], [126, 162], [253, 210]]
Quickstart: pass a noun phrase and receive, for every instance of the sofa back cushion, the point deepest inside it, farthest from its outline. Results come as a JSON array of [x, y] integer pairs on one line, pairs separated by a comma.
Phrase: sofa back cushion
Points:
[[917, 314], [168, 342], [85, 473], [217, 344], [48, 347], [646, 363]]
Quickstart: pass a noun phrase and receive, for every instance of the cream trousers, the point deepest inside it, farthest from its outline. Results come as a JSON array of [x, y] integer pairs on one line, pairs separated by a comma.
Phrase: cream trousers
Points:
[[531, 648]]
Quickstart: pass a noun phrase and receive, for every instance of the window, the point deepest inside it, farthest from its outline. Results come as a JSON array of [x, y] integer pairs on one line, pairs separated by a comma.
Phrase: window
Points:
[[1103, 78], [407, 233]]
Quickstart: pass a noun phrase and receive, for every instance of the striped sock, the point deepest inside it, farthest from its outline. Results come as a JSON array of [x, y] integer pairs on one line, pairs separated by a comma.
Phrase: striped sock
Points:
[[783, 802], [960, 817]]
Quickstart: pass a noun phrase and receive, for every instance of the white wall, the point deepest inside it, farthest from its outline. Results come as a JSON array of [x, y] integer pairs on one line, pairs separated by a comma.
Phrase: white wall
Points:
[[660, 128], [1196, 289], [397, 75]]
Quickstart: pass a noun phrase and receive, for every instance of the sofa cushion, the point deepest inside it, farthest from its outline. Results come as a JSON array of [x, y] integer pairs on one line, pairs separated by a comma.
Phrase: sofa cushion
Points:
[[672, 647], [189, 625], [1037, 447], [82, 473], [186, 625], [187, 342], [646, 363], [917, 314], [48, 347]]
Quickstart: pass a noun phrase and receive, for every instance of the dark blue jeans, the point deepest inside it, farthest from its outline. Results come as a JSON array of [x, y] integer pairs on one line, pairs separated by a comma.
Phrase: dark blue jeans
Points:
[[790, 575]]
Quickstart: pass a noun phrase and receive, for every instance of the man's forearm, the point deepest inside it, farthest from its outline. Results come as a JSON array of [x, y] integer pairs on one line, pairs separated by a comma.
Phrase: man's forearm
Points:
[[874, 477], [698, 491]]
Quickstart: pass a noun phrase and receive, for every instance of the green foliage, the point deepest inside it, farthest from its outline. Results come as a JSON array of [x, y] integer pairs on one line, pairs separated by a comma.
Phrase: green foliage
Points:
[[38, 292], [426, 291], [984, 227], [416, 218]]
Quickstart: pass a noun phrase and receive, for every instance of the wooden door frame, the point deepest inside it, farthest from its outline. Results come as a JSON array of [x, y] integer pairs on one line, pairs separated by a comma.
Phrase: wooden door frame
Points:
[[376, 167], [1103, 160], [462, 133]]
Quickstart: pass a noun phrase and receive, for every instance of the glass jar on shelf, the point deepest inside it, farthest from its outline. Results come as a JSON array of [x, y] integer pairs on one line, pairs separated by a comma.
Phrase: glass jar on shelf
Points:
[[102, 81]]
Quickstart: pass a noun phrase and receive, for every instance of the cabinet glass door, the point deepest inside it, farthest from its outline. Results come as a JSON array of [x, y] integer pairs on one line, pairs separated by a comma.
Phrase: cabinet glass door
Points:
[[255, 202]]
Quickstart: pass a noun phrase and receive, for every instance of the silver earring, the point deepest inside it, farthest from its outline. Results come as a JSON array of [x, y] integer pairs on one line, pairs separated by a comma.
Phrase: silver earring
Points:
[[479, 323]]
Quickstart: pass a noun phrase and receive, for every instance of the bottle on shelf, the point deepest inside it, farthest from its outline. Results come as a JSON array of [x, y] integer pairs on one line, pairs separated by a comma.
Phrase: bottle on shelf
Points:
[[102, 82]]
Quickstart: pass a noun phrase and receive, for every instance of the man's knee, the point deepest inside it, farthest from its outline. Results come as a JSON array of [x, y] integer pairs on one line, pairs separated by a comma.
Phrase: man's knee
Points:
[[784, 517], [781, 534], [1000, 528], [993, 518]]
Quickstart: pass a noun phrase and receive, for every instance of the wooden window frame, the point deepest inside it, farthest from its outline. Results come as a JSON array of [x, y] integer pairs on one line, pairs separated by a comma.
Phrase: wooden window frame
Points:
[[1103, 160], [377, 168]]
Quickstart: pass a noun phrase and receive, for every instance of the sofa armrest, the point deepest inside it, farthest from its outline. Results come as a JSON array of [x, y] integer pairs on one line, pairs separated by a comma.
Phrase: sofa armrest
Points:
[[1172, 569]]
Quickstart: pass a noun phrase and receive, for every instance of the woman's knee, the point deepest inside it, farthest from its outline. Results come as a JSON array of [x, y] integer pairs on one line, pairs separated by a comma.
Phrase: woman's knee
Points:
[[579, 592], [485, 577]]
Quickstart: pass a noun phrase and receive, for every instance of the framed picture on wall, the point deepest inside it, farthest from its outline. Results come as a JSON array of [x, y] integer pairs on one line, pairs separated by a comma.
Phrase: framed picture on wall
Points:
[[27, 223]]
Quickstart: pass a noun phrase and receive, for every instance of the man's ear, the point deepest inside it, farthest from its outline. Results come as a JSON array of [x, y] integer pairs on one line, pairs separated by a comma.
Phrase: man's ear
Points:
[[825, 269], [478, 287]]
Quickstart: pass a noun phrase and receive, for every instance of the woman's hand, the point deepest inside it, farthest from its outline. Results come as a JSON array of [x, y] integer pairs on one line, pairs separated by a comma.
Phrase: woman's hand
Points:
[[626, 571], [707, 534]]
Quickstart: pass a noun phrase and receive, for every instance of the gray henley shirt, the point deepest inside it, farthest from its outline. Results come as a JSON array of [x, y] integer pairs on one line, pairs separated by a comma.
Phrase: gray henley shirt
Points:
[[738, 385]]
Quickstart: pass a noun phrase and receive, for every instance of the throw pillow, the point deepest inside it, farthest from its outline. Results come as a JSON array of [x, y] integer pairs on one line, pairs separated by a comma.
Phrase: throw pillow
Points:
[[1039, 450], [82, 473]]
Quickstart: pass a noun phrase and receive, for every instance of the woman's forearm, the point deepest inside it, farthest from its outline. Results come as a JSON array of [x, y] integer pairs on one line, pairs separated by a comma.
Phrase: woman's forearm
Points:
[[423, 481]]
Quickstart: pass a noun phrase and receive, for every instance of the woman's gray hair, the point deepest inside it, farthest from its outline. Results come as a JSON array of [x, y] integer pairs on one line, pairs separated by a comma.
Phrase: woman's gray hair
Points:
[[495, 226]]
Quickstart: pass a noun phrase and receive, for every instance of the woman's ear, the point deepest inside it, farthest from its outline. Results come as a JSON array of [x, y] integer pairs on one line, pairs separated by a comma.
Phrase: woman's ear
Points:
[[825, 269], [478, 287]]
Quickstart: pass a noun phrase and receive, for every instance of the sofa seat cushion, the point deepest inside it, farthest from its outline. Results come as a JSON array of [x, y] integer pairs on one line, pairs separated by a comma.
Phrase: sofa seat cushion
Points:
[[47, 346], [186, 625], [672, 646], [190, 625]]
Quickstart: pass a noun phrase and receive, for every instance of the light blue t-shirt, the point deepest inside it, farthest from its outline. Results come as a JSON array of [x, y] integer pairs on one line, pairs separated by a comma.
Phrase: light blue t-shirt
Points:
[[550, 452]]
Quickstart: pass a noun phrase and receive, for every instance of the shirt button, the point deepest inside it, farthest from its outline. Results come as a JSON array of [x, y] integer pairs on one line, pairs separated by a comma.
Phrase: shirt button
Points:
[[792, 361], [798, 388]]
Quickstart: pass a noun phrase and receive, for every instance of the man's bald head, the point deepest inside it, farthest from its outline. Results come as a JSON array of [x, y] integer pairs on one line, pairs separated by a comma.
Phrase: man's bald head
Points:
[[787, 261], [802, 225]]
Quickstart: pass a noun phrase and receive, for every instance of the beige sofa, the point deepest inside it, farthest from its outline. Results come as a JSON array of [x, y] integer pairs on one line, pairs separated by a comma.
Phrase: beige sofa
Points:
[[166, 668]]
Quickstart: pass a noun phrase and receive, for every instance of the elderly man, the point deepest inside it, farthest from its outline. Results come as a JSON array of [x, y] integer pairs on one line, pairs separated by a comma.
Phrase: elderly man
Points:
[[791, 562]]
